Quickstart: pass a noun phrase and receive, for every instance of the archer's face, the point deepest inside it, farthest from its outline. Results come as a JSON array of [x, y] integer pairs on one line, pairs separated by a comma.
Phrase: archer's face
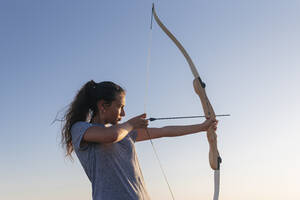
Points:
[[115, 112]]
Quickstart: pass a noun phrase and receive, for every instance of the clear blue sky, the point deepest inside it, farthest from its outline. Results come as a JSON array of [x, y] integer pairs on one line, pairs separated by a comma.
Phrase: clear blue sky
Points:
[[247, 52]]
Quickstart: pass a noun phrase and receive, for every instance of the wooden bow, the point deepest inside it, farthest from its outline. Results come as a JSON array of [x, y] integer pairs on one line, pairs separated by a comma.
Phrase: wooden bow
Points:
[[199, 87]]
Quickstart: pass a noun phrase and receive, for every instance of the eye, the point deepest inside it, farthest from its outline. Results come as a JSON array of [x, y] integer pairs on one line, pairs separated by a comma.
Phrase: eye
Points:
[[122, 107]]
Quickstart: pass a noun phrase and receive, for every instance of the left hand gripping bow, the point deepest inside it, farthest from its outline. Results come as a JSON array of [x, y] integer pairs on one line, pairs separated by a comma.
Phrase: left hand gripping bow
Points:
[[199, 87]]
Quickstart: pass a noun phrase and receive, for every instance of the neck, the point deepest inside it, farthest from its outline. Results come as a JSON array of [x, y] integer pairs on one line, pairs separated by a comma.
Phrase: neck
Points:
[[97, 119]]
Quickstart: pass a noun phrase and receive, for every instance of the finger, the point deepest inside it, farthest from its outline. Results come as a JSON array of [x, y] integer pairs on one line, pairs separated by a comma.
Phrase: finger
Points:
[[144, 115], [147, 122], [145, 125], [213, 125]]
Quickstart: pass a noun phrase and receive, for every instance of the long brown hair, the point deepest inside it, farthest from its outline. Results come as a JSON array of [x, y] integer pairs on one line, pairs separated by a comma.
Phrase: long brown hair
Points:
[[85, 104]]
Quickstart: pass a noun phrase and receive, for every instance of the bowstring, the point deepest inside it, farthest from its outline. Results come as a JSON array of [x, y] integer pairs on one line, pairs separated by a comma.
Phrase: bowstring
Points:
[[145, 103]]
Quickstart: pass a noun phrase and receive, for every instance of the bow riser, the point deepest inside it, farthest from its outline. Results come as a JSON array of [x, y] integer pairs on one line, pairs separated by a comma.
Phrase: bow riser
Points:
[[209, 113], [200, 91]]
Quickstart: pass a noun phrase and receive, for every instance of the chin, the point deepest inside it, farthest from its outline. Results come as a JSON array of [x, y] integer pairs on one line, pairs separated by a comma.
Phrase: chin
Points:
[[116, 122]]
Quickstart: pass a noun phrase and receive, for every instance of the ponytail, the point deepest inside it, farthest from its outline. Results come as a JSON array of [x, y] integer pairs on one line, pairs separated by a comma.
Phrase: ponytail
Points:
[[84, 107]]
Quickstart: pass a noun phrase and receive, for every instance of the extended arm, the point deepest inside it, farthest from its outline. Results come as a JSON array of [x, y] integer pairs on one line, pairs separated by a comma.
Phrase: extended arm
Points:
[[173, 131]]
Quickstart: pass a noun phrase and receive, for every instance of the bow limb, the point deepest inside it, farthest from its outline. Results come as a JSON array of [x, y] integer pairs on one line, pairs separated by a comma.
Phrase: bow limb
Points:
[[199, 87]]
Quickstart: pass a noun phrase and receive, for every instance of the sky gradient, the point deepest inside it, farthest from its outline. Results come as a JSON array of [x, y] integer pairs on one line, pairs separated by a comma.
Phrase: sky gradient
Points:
[[247, 52]]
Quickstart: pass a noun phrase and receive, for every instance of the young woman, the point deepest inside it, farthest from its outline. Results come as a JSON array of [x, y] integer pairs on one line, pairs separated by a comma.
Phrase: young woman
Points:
[[105, 147]]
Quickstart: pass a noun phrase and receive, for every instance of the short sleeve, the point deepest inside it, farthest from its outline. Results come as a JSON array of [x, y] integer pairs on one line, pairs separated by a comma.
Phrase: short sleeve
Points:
[[78, 129]]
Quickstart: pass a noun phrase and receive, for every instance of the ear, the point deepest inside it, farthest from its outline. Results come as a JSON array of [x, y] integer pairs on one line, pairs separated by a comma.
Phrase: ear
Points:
[[101, 106]]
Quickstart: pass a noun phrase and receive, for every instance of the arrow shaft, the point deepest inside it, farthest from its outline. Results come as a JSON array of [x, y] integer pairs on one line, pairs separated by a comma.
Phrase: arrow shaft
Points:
[[184, 117]]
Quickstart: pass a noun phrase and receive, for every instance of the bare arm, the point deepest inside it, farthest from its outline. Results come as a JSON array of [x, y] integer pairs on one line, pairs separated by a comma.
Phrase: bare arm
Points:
[[107, 134], [173, 131], [114, 133]]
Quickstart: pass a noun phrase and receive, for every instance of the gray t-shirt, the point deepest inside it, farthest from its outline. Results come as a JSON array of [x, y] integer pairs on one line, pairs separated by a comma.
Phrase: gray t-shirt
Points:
[[113, 169]]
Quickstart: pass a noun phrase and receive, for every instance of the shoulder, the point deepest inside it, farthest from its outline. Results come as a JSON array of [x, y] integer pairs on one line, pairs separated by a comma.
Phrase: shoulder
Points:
[[79, 125], [77, 132]]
